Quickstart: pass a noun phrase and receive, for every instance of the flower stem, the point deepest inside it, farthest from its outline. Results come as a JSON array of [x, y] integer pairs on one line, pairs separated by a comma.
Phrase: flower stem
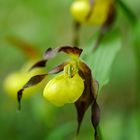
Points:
[[76, 36]]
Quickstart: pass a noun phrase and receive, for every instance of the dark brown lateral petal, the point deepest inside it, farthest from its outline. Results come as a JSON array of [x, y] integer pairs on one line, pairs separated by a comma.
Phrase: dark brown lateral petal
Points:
[[95, 118], [39, 64], [58, 68], [32, 82], [87, 97], [71, 50]]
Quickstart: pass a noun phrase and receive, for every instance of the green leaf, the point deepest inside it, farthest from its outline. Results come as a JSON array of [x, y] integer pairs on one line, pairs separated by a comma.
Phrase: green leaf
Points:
[[102, 59], [127, 11]]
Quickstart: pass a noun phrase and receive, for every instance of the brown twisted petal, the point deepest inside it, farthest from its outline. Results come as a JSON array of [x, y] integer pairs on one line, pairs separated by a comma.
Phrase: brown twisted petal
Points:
[[89, 93], [32, 82], [95, 118]]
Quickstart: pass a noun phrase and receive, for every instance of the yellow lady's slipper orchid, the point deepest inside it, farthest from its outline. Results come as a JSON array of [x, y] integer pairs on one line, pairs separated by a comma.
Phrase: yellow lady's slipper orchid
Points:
[[74, 85], [99, 14]]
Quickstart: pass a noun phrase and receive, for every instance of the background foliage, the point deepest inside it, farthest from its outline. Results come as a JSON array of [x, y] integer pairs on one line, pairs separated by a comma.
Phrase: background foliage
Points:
[[46, 24]]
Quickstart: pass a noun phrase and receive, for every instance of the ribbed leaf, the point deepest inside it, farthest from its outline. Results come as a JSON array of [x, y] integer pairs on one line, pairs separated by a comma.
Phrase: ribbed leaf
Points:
[[102, 59]]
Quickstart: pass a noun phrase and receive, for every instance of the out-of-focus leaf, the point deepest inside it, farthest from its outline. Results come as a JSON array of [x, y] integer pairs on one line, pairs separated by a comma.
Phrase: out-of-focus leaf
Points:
[[135, 34], [29, 50], [102, 59], [135, 41], [127, 11]]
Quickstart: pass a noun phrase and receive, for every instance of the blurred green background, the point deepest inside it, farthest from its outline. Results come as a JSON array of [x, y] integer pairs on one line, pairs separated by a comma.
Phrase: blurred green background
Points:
[[48, 23]]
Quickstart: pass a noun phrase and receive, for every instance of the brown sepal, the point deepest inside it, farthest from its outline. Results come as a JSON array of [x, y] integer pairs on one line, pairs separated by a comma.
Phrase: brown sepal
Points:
[[71, 50], [50, 53]]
